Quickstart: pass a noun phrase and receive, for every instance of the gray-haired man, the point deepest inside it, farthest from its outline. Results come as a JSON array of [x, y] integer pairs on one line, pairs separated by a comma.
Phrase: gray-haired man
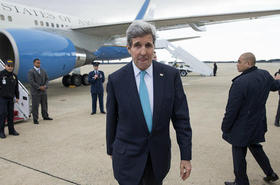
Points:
[[142, 98]]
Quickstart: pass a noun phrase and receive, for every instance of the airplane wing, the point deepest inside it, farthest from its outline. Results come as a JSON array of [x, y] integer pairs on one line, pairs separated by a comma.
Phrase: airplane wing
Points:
[[182, 38], [119, 29]]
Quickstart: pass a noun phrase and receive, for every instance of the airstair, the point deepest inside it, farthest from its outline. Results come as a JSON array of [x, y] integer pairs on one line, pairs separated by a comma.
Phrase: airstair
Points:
[[22, 108], [193, 63]]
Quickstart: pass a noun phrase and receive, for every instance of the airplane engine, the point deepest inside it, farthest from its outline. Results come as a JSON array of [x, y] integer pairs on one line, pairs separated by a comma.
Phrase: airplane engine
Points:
[[58, 54], [111, 53]]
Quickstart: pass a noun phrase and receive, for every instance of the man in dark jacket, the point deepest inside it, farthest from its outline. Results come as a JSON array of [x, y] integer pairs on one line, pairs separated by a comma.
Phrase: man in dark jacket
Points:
[[244, 124], [142, 98], [8, 91], [277, 118], [215, 69], [96, 79]]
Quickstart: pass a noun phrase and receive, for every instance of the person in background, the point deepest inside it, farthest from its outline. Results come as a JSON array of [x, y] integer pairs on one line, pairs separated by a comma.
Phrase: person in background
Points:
[[215, 69], [244, 124], [96, 79], [38, 80], [277, 117], [155, 56], [8, 92]]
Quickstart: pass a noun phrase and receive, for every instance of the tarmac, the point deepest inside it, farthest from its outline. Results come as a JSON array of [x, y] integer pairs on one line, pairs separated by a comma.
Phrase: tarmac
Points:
[[71, 149]]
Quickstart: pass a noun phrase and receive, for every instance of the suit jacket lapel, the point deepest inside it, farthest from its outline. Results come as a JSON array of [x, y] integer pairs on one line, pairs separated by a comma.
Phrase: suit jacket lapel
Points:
[[158, 82], [36, 72]]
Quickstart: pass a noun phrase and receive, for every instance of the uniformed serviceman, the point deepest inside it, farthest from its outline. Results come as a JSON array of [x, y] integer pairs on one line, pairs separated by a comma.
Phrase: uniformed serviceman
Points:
[[8, 91], [96, 79]]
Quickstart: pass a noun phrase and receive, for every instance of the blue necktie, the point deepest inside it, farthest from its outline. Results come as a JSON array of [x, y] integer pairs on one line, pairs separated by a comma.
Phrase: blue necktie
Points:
[[145, 102]]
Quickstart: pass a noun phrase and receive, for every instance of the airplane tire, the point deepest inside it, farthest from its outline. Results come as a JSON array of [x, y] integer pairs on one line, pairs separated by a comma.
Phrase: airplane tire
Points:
[[66, 80], [76, 80], [183, 73], [85, 79]]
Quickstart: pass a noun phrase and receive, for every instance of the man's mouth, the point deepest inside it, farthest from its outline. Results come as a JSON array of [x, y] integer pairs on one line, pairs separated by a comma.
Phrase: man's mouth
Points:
[[142, 59]]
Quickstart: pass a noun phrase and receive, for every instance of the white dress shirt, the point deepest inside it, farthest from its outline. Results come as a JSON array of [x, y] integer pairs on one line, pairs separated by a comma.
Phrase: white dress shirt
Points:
[[37, 69], [148, 81]]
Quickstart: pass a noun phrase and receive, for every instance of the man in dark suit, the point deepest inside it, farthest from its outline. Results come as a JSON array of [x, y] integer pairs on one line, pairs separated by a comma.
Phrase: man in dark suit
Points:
[[96, 79], [277, 117], [38, 80], [215, 69], [142, 98], [244, 124]]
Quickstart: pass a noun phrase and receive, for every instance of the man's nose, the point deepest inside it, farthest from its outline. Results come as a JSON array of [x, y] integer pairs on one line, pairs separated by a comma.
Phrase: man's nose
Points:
[[143, 51]]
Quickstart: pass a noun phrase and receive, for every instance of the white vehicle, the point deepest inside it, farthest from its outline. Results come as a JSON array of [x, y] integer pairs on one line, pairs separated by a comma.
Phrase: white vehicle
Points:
[[183, 68]]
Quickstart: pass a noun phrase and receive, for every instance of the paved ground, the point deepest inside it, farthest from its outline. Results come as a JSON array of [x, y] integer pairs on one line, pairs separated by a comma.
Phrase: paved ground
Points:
[[72, 146]]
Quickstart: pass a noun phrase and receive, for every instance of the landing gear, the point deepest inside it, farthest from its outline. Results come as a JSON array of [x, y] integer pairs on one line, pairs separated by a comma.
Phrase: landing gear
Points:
[[183, 73], [66, 80], [85, 79], [75, 79]]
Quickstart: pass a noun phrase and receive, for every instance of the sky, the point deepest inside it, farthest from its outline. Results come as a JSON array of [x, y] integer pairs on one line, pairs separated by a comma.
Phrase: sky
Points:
[[220, 42]]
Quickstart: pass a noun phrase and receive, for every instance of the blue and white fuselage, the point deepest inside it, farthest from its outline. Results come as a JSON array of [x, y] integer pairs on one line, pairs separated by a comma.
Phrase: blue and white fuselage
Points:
[[27, 33], [64, 42]]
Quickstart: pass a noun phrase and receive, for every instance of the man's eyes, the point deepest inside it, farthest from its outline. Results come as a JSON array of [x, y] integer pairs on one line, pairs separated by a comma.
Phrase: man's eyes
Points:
[[138, 45], [148, 45]]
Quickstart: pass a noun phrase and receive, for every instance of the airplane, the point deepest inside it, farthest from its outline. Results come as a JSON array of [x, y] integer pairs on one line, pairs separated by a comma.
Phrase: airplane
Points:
[[119, 51], [64, 42]]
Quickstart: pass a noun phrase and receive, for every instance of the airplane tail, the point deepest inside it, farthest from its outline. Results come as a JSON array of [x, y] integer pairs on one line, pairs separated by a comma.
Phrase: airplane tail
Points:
[[119, 50], [143, 10]]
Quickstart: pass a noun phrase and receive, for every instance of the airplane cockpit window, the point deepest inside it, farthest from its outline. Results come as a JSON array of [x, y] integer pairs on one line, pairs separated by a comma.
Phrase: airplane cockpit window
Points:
[[47, 24], [10, 18], [2, 17], [57, 25], [52, 24], [41, 23], [62, 26], [36, 22]]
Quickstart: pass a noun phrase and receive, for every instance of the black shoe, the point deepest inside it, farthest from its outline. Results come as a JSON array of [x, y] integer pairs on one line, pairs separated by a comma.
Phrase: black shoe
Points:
[[277, 124], [92, 113], [14, 133], [36, 122], [103, 112], [271, 178], [230, 183], [47, 118], [2, 135]]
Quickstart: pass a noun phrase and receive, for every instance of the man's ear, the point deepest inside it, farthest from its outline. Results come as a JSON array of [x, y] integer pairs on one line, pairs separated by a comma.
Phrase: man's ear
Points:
[[128, 49], [249, 64]]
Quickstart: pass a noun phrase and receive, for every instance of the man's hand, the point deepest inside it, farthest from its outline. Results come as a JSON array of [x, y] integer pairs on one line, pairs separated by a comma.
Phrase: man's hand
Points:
[[185, 169], [42, 88], [17, 100], [95, 76]]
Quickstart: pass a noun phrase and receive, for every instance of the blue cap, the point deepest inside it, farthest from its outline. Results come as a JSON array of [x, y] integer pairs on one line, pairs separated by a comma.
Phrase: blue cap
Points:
[[9, 62], [95, 63]]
